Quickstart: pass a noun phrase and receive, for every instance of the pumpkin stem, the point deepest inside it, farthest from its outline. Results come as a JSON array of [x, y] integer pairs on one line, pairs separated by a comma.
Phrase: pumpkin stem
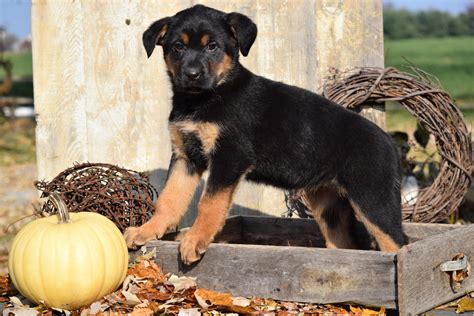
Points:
[[58, 202]]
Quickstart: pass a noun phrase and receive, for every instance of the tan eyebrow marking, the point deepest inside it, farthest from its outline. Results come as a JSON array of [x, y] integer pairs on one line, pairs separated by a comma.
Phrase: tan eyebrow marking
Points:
[[204, 39], [184, 38]]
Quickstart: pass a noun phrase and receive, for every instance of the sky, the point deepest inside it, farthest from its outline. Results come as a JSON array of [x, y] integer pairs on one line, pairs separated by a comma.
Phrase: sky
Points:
[[15, 14], [452, 6]]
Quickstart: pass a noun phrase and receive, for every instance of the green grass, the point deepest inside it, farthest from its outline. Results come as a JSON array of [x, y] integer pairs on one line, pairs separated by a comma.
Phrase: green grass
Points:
[[399, 119], [451, 60], [22, 65]]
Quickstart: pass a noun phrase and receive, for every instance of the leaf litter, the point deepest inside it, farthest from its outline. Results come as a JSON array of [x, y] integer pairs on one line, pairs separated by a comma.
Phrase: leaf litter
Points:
[[148, 291]]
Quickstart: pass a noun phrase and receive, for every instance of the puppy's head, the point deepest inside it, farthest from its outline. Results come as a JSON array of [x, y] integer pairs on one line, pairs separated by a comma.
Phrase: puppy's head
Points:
[[200, 45]]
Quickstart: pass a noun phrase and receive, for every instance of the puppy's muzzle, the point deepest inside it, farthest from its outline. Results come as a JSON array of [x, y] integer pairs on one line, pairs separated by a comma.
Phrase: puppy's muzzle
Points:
[[193, 73]]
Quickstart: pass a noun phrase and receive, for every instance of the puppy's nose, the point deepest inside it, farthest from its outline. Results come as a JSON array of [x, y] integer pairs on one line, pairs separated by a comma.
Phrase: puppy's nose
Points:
[[193, 73]]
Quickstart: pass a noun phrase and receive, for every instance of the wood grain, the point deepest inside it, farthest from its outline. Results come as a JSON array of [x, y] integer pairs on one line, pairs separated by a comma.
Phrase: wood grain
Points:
[[99, 98], [302, 232], [421, 284], [247, 267], [349, 34], [290, 273]]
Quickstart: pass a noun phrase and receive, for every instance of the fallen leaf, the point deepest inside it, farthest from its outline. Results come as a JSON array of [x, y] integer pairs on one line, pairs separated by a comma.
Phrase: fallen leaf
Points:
[[365, 311], [465, 304], [6, 286], [114, 298], [240, 301], [94, 308], [142, 312], [289, 306], [170, 304], [224, 301], [148, 270], [16, 301], [152, 294], [189, 312], [202, 302], [20, 311], [130, 298], [181, 284], [214, 298]]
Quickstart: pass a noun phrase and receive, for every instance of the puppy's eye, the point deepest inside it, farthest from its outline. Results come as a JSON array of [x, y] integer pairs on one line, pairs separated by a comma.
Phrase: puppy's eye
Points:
[[212, 46], [178, 46]]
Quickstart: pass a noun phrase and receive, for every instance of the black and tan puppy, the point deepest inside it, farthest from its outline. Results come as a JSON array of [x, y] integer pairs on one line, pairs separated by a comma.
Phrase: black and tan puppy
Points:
[[239, 126]]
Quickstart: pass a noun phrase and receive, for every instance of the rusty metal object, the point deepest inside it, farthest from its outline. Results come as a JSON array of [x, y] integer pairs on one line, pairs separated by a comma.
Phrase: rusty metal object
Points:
[[421, 94], [124, 196]]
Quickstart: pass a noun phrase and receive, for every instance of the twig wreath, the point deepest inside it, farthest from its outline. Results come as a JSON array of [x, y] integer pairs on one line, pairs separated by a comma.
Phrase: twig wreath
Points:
[[434, 109], [122, 195]]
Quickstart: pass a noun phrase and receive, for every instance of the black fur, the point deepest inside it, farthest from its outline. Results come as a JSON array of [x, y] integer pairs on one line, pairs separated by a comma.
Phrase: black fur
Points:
[[271, 132]]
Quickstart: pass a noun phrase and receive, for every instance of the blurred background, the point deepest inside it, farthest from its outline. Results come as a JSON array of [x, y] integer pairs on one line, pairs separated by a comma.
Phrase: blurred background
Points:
[[434, 35]]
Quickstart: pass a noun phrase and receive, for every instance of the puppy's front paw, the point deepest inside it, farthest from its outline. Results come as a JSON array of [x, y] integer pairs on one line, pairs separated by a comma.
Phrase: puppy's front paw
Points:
[[137, 236], [192, 247]]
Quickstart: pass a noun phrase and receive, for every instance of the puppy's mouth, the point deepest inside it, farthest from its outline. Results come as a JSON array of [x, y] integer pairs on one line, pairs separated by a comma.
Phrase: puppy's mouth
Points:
[[193, 90], [194, 87]]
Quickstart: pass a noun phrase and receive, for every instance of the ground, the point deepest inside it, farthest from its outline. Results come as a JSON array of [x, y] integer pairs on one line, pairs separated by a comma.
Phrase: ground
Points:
[[17, 194]]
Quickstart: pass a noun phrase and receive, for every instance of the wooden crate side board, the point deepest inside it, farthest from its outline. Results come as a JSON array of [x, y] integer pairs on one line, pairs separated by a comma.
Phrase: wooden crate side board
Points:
[[290, 273], [267, 228], [421, 284]]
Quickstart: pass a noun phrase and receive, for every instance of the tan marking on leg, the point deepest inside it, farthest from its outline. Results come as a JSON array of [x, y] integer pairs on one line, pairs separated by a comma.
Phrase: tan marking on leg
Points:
[[212, 212], [385, 242], [208, 133], [319, 201], [204, 40], [184, 38], [172, 203]]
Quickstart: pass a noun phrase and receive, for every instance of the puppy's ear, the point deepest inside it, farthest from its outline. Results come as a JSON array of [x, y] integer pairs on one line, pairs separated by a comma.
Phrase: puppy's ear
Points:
[[154, 35], [244, 30]]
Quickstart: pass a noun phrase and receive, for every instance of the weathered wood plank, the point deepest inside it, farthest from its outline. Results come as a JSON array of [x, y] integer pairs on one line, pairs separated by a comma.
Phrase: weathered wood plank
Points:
[[290, 273], [231, 233], [60, 103], [421, 284], [418, 231], [280, 231]]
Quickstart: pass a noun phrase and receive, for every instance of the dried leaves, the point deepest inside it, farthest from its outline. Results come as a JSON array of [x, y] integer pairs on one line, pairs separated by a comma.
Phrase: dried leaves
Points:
[[462, 305], [147, 291]]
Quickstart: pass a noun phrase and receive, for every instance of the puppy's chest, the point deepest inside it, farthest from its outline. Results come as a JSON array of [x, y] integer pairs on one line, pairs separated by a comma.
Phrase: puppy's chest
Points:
[[193, 140]]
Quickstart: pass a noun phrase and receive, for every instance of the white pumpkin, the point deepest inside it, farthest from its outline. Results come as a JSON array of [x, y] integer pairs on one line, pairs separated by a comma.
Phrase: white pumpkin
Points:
[[68, 260]]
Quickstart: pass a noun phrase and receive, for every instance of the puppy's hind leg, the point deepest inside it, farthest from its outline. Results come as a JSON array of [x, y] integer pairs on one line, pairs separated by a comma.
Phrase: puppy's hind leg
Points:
[[334, 216], [382, 220]]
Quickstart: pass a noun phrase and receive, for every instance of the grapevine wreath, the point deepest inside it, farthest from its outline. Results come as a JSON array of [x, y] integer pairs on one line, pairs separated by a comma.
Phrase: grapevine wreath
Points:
[[434, 109], [122, 195]]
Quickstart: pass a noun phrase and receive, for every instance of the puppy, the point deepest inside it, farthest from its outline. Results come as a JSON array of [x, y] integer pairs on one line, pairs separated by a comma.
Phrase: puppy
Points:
[[238, 125]]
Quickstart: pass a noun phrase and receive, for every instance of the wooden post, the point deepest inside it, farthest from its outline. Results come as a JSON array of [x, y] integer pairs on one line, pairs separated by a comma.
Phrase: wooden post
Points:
[[99, 98]]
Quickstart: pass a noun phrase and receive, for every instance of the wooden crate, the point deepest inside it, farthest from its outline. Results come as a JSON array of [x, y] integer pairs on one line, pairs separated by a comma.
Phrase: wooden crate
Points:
[[279, 258]]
